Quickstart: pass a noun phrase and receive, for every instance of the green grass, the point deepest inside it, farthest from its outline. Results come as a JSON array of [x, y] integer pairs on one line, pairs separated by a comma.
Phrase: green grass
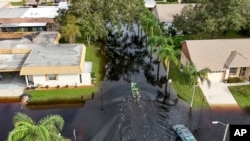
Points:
[[184, 91], [60, 94], [19, 3], [241, 95], [71, 93]]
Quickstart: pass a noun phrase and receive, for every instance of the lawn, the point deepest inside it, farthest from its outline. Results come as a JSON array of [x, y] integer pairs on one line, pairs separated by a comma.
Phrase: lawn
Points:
[[61, 94], [241, 95], [71, 93], [184, 91], [19, 3]]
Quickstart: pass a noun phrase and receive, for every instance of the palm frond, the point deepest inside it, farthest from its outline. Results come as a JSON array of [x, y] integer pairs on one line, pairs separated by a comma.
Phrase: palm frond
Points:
[[54, 122], [21, 118]]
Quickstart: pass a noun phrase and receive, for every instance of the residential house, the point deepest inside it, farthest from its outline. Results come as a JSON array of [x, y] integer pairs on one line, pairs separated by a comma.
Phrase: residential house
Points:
[[166, 12], [225, 57], [44, 62], [29, 19]]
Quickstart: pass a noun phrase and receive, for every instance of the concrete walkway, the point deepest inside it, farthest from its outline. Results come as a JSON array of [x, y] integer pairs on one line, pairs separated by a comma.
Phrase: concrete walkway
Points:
[[219, 96]]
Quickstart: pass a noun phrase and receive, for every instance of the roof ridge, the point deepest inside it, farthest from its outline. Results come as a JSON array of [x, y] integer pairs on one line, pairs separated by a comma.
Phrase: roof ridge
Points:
[[232, 57]]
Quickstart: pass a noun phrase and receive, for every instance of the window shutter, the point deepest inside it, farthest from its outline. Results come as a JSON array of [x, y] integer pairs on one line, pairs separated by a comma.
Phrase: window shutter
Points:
[[56, 76]]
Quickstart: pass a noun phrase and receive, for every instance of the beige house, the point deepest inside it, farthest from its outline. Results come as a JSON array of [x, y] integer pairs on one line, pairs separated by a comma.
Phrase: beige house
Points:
[[225, 57], [166, 12], [44, 62]]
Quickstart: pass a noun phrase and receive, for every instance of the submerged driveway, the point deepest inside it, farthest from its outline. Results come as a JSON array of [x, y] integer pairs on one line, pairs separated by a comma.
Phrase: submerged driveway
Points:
[[218, 95]]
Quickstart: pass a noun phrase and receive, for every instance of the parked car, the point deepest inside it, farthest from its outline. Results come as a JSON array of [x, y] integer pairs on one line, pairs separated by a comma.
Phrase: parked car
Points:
[[183, 132]]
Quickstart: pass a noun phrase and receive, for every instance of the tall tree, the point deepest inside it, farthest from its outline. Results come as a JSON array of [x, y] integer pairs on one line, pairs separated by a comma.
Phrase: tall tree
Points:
[[70, 30], [47, 129], [97, 17], [245, 12], [212, 16], [194, 76], [150, 24], [167, 53]]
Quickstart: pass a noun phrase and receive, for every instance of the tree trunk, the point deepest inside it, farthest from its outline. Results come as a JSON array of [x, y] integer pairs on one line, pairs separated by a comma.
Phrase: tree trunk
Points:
[[192, 100], [212, 35], [168, 69], [88, 40], [158, 69]]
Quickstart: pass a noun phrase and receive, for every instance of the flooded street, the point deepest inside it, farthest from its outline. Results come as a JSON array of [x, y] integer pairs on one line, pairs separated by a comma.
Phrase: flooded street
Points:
[[113, 115]]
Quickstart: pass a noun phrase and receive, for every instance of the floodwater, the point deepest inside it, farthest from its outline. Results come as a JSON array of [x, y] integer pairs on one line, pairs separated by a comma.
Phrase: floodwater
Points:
[[113, 116]]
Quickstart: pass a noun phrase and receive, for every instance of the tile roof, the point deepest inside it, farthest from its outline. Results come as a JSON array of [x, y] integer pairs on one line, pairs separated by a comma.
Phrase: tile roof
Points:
[[219, 54]]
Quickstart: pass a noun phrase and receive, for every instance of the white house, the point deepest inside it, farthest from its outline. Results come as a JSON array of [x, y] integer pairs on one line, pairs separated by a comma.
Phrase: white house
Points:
[[27, 18], [44, 62], [224, 57]]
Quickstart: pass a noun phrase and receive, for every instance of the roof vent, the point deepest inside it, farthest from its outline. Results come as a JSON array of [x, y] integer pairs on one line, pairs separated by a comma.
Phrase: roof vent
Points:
[[44, 56]]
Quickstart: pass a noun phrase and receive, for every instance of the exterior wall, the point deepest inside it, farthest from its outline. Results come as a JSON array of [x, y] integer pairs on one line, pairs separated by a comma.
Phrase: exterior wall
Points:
[[235, 75], [86, 79], [184, 61], [247, 75], [63, 80], [216, 76], [23, 29]]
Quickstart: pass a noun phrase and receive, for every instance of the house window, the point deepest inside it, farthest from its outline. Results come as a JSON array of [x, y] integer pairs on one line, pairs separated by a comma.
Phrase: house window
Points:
[[52, 77], [232, 71], [80, 76], [243, 71]]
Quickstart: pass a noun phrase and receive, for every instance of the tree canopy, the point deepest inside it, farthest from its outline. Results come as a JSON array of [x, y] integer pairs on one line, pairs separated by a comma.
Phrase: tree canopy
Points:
[[211, 16], [96, 18]]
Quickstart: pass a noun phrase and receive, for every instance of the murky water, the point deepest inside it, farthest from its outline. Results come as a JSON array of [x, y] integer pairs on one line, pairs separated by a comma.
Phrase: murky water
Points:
[[113, 116]]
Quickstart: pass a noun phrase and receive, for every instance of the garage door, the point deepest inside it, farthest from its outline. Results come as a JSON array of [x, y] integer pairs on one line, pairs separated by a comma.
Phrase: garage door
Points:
[[216, 77]]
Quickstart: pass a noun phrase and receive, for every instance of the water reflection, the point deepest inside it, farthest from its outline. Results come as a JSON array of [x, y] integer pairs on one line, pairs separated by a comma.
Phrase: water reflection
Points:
[[126, 54]]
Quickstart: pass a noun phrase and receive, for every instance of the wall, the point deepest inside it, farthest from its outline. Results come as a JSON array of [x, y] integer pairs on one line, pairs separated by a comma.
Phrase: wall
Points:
[[63, 80], [247, 75], [184, 61]]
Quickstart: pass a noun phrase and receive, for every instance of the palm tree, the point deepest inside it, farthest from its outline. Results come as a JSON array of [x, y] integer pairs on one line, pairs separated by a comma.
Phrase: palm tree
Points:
[[46, 129], [194, 76], [167, 52]]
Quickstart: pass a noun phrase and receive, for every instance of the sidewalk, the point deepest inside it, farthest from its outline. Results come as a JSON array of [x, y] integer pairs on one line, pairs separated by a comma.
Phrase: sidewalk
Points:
[[219, 96]]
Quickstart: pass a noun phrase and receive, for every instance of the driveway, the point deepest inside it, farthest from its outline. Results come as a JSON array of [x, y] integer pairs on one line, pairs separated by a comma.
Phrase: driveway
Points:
[[11, 85], [219, 96]]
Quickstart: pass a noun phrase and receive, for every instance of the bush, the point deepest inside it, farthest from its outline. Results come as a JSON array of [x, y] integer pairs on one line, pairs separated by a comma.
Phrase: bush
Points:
[[233, 80], [93, 75], [58, 86]]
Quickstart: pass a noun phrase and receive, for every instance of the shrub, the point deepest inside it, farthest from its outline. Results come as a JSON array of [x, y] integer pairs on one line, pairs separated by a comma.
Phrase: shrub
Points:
[[233, 80], [58, 86]]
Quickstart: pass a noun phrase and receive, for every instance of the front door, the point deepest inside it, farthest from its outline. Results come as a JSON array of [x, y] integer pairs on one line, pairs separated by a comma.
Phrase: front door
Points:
[[243, 71]]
